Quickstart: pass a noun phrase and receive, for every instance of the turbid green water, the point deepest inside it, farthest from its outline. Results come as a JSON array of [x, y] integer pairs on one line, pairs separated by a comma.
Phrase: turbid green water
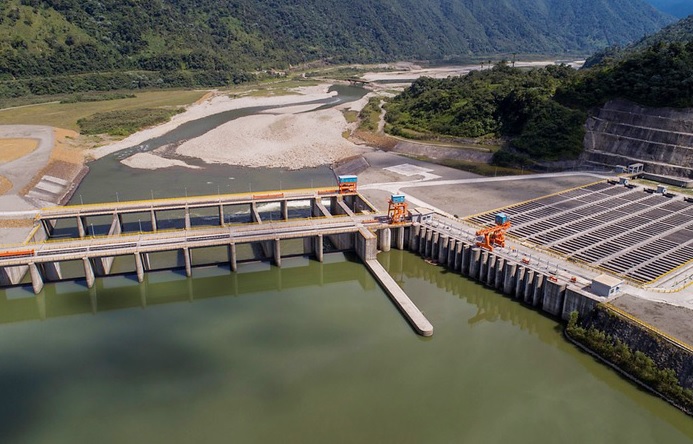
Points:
[[310, 353]]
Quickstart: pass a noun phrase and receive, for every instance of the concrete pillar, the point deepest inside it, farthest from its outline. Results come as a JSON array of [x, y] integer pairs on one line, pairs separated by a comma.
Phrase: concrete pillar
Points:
[[422, 241], [88, 272], [385, 239], [285, 209], [554, 295], [474, 263], [428, 243], [187, 218], [36, 279], [400, 238], [221, 215], [538, 288], [188, 265], [139, 267], [152, 216], [491, 270], [519, 282], [254, 213], [483, 266], [146, 262], [366, 244], [319, 248], [443, 244], [466, 256], [499, 280], [452, 250], [277, 253], [459, 252], [232, 257], [528, 291], [80, 226], [414, 232], [509, 278], [435, 245]]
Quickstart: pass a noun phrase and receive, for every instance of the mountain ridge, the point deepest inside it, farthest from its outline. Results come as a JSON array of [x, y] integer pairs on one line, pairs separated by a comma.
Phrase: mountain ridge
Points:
[[49, 37]]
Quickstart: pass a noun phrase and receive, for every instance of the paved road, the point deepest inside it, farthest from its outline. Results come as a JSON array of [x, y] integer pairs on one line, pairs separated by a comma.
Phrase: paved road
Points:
[[397, 187]]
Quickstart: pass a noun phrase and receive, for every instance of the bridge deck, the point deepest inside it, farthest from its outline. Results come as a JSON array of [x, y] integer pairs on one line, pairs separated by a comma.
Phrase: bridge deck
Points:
[[176, 203]]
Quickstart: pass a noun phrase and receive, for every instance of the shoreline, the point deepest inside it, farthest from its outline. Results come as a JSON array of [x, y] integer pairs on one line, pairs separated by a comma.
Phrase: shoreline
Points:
[[289, 106]]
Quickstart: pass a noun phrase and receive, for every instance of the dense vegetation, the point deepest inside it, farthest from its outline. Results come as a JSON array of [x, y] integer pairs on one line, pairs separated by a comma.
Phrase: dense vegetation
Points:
[[636, 364], [125, 122], [212, 42], [500, 102], [541, 113], [660, 75]]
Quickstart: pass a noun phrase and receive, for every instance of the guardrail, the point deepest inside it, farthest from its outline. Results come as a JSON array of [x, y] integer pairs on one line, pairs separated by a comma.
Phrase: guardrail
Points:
[[648, 327]]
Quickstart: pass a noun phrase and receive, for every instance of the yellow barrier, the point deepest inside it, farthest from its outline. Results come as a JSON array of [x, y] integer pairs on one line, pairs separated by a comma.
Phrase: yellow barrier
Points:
[[648, 327]]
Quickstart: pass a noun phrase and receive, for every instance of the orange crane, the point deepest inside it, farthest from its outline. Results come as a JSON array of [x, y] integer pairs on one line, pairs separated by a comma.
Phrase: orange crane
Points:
[[397, 209], [347, 184], [495, 235]]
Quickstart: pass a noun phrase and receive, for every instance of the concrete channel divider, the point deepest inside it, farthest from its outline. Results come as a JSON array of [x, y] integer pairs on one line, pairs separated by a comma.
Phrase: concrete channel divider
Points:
[[410, 311]]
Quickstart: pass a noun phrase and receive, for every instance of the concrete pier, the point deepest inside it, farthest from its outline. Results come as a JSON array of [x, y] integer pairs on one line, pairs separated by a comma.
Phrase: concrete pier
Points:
[[319, 248], [413, 315], [400, 237], [36, 279], [518, 280], [385, 239], [475, 263], [186, 259], [499, 280], [415, 230], [443, 242], [88, 272], [139, 268]]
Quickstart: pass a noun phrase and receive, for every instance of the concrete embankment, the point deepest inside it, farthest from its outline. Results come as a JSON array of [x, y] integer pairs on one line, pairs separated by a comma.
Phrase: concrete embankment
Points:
[[665, 352], [623, 132], [526, 282], [400, 299]]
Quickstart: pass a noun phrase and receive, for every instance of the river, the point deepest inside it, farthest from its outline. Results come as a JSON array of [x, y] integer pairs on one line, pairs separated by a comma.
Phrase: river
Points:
[[309, 353]]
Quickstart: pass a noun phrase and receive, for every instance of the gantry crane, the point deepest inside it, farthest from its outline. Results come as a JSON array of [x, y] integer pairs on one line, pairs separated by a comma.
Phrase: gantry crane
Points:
[[397, 209], [494, 236], [347, 184]]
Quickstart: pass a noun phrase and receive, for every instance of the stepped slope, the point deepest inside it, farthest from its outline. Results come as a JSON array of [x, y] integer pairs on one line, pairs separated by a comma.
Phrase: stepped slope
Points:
[[623, 132]]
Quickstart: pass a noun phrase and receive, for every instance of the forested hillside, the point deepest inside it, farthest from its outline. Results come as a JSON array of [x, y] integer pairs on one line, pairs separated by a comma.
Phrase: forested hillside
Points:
[[501, 102], [541, 113], [203, 38]]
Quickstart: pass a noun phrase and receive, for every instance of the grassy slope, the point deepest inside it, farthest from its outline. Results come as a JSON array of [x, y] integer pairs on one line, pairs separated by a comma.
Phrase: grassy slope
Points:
[[66, 115]]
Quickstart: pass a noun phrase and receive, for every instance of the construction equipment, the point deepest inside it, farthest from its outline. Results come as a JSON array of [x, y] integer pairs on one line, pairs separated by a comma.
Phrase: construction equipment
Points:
[[397, 209], [494, 236], [347, 184]]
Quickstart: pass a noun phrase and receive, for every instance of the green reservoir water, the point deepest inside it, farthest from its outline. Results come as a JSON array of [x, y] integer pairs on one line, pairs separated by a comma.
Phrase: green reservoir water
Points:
[[309, 353]]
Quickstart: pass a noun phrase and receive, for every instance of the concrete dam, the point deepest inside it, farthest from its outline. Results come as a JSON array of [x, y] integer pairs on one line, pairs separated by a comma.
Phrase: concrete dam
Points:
[[337, 222]]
